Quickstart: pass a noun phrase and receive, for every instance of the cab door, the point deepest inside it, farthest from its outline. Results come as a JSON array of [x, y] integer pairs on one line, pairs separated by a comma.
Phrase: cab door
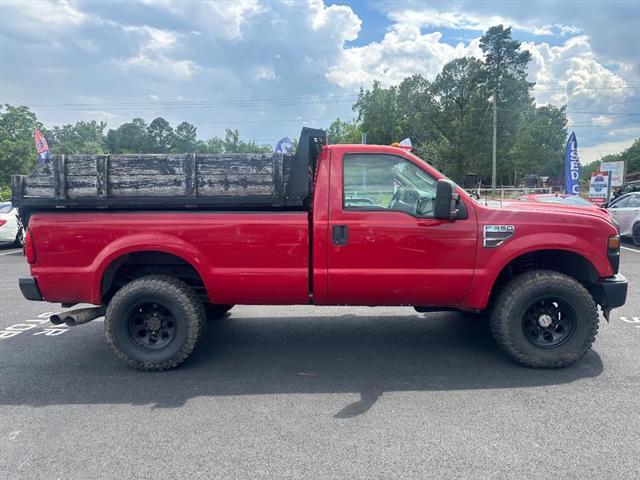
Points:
[[385, 247]]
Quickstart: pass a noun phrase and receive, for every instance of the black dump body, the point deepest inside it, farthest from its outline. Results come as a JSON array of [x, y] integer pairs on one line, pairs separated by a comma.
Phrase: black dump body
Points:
[[173, 181]]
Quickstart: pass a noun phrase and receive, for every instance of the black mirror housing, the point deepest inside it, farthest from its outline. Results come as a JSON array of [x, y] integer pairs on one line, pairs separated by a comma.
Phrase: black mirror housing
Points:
[[446, 204]]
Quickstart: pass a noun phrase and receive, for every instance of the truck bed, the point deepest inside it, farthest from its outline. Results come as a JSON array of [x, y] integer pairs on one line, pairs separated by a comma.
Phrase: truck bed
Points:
[[249, 257]]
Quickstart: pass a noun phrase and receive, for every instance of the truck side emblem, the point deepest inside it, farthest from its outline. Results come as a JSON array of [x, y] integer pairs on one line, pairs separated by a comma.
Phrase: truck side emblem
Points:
[[496, 235]]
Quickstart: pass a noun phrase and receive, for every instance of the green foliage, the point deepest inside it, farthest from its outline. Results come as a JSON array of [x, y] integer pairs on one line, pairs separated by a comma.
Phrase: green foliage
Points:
[[17, 150], [83, 137], [343, 132]]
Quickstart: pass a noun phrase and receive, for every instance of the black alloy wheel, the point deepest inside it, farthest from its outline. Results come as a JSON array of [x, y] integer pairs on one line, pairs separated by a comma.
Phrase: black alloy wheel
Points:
[[151, 326], [549, 322]]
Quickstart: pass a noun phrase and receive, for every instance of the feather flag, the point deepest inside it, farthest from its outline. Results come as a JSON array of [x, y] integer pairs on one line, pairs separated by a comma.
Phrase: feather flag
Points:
[[41, 146], [572, 166]]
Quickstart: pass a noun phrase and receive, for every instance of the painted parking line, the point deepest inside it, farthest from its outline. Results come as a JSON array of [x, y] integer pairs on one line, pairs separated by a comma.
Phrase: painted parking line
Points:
[[11, 252], [630, 249]]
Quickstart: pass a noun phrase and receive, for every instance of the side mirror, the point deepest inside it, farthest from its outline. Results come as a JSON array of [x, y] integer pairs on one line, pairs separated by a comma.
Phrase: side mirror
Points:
[[446, 204]]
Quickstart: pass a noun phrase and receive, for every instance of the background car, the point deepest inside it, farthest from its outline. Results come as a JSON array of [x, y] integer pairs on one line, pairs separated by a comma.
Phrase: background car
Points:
[[10, 231], [560, 198], [626, 212]]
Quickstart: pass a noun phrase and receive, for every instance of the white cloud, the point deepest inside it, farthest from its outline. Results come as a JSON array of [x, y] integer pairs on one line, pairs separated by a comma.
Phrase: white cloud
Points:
[[595, 152], [402, 52], [460, 20], [153, 54]]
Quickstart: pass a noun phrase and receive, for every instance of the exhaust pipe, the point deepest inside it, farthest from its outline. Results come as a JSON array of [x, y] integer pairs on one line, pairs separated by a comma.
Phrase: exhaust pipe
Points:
[[77, 317]]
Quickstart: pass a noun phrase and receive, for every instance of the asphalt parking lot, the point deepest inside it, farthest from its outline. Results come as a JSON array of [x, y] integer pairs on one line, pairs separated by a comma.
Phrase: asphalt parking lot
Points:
[[300, 392]]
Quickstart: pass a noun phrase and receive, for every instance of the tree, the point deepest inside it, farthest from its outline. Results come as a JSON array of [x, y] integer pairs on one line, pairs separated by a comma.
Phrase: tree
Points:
[[539, 144], [161, 136], [83, 137], [378, 114], [17, 150], [129, 137], [185, 138], [343, 132], [232, 144], [505, 78]]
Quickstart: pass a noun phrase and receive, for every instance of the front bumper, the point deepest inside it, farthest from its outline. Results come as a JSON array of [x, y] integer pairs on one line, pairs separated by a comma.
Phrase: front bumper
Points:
[[613, 291], [29, 289]]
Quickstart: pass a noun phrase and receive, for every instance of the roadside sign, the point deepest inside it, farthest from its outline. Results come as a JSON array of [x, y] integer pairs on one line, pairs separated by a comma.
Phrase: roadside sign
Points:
[[599, 187], [616, 170]]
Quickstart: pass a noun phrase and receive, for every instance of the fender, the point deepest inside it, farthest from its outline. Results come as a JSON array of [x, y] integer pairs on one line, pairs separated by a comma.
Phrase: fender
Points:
[[158, 242], [491, 261]]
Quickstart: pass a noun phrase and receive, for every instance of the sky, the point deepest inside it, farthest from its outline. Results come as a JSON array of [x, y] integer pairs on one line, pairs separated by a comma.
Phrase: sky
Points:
[[269, 67]]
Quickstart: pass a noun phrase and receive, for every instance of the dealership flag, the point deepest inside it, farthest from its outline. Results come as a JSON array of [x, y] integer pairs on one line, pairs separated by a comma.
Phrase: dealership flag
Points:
[[41, 146], [284, 146], [572, 166]]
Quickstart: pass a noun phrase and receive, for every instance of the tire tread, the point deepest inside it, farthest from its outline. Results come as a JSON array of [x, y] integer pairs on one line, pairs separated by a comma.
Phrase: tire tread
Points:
[[507, 297], [190, 302]]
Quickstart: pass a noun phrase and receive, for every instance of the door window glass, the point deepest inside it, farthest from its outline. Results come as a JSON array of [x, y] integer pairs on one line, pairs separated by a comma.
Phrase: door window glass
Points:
[[621, 203], [387, 182], [634, 202]]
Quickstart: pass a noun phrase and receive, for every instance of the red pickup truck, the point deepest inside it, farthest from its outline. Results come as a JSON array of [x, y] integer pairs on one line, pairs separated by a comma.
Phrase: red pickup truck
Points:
[[380, 227]]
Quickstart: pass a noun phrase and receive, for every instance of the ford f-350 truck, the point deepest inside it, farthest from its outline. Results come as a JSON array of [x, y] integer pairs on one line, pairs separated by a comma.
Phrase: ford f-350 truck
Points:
[[371, 225]]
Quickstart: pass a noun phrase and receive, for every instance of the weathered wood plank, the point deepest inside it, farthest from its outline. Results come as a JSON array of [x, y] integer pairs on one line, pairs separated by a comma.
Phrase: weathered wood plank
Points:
[[146, 164], [233, 163], [80, 165], [231, 190], [81, 186], [234, 184], [35, 191], [146, 185], [40, 182]]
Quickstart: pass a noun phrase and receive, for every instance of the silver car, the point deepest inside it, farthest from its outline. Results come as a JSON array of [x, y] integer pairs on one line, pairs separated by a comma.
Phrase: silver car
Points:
[[625, 210]]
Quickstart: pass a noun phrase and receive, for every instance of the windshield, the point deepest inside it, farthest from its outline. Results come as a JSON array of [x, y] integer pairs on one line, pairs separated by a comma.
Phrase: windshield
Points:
[[574, 201]]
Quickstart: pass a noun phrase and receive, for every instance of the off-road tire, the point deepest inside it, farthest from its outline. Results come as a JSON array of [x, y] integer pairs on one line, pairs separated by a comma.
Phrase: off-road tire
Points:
[[215, 312], [174, 295], [512, 303], [635, 234]]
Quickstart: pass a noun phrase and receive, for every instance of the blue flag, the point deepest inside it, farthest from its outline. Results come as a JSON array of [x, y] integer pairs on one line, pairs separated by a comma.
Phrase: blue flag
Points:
[[284, 146], [572, 166]]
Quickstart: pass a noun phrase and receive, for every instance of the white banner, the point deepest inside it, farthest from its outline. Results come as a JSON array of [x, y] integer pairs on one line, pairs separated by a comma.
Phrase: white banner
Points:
[[616, 170]]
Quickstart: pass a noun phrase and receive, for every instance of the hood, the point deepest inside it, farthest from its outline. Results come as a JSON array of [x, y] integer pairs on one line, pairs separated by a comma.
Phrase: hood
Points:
[[517, 206]]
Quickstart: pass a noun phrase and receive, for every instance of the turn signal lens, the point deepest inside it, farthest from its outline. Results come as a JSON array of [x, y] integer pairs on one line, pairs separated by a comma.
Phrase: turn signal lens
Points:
[[614, 242]]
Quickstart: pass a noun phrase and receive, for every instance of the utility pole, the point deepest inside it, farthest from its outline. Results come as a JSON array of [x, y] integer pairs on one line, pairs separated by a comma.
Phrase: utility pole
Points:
[[495, 140], [363, 138]]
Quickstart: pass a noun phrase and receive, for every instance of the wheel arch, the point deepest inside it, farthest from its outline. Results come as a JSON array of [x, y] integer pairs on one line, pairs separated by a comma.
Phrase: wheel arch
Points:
[[158, 250], [561, 260]]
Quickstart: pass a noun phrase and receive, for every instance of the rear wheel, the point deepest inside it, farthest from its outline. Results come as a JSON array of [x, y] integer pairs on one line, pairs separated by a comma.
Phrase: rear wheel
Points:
[[635, 234], [544, 319], [154, 322]]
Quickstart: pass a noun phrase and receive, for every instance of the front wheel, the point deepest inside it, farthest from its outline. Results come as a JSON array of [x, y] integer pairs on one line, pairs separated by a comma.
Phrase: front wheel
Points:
[[154, 322], [544, 319], [635, 234]]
